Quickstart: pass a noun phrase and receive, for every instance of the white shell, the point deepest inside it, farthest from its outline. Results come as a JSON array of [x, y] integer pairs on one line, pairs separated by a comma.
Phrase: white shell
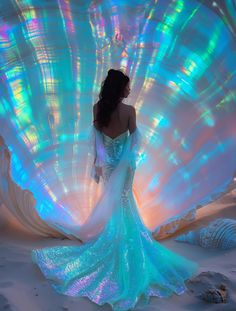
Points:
[[220, 233]]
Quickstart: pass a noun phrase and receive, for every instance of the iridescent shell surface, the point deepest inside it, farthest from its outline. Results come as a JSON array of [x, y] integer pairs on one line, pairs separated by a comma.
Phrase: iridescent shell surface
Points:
[[180, 57]]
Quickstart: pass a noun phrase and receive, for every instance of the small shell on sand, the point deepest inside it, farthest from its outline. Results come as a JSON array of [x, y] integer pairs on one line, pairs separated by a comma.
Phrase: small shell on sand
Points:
[[215, 295], [211, 286]]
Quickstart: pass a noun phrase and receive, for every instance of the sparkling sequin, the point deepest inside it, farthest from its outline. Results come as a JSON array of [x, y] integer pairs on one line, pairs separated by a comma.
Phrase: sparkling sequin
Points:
[[124, 266]]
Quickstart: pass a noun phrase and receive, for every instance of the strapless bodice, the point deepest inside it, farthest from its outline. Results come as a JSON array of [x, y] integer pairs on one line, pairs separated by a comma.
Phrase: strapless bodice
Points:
[[117, 137], [114, 146]]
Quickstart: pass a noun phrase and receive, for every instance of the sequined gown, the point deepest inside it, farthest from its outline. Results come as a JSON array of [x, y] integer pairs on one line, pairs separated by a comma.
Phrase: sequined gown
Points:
[[124, 265]]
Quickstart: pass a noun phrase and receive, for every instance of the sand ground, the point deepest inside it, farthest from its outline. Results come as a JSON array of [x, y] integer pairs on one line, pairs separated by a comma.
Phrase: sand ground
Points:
[[24, 288]]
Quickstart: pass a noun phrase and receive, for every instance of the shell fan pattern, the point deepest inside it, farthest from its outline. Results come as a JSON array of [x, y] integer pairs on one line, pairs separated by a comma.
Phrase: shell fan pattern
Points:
[[180, 57], [220, 233]]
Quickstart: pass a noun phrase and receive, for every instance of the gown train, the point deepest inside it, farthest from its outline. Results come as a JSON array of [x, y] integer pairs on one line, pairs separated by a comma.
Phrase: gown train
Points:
[[120, 263]]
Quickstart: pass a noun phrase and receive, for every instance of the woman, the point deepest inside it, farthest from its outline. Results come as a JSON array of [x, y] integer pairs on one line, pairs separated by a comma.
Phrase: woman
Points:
[[120, 263]]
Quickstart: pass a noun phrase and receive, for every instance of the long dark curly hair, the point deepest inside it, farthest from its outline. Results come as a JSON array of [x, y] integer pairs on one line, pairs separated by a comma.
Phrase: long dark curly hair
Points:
[[110, 95]]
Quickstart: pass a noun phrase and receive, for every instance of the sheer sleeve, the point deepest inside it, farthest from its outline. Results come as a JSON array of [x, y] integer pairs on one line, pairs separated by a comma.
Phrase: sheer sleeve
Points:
[[136, 144], [93, 153], [97, 152]]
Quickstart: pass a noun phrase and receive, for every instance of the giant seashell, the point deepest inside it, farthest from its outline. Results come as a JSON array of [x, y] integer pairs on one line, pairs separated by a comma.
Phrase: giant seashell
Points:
[[220, 233], [49, 85]]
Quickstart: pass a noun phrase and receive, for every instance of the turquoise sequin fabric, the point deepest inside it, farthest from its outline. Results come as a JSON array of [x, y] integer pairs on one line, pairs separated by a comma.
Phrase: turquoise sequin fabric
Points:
[[124, 265]]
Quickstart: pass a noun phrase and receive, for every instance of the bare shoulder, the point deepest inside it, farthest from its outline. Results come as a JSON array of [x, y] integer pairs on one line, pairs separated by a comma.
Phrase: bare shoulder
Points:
[[132, 110], [129, 109]]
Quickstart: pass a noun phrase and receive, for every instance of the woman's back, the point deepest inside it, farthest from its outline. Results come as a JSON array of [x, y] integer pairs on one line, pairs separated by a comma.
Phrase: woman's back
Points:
[[123, 118]]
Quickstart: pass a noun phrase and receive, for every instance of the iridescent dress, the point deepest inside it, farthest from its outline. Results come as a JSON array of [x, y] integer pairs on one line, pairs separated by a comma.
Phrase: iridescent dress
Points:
[[122, 265]]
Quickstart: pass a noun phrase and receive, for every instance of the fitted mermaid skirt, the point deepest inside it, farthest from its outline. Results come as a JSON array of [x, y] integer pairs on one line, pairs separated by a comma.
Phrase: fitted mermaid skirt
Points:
[[123, 265]]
